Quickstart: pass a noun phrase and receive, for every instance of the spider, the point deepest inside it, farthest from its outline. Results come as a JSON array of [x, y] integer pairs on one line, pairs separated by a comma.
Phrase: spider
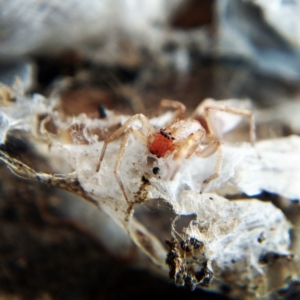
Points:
[[181, 138]]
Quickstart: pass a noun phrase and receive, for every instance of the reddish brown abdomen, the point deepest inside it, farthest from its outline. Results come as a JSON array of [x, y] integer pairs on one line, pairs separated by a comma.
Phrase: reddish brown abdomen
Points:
[[161, 145]]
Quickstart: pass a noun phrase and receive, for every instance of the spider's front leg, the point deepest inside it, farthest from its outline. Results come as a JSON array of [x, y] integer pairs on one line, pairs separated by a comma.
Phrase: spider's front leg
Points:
[[189, 146], [126, 130]]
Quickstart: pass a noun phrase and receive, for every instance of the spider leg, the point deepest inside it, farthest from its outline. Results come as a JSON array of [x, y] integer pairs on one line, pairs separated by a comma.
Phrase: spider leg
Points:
[[189, 146], [122, 130], [123, 145], [237, 111], [177, 105], [204, 109], [203, 113], [199, 111], [125, 130], [208, 151]]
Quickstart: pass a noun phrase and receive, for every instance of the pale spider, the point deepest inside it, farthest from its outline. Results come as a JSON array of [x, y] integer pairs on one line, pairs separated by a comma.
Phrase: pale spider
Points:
[[181, 138]]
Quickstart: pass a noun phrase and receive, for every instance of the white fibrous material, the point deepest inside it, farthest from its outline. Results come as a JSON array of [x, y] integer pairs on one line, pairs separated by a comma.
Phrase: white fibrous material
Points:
[[233, 240], [241, 245], [276, 170], [22, 114]]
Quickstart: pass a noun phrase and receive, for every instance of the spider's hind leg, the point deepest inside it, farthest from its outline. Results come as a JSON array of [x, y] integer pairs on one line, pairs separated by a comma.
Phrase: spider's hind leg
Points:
[[203, 111]]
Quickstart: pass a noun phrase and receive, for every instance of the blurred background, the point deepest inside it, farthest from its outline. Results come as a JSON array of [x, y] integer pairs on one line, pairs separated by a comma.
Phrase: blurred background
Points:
[[127, 55]]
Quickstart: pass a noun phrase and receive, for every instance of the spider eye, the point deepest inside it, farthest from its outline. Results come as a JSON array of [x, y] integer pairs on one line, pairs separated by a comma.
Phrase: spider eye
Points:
[[155, 170]]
